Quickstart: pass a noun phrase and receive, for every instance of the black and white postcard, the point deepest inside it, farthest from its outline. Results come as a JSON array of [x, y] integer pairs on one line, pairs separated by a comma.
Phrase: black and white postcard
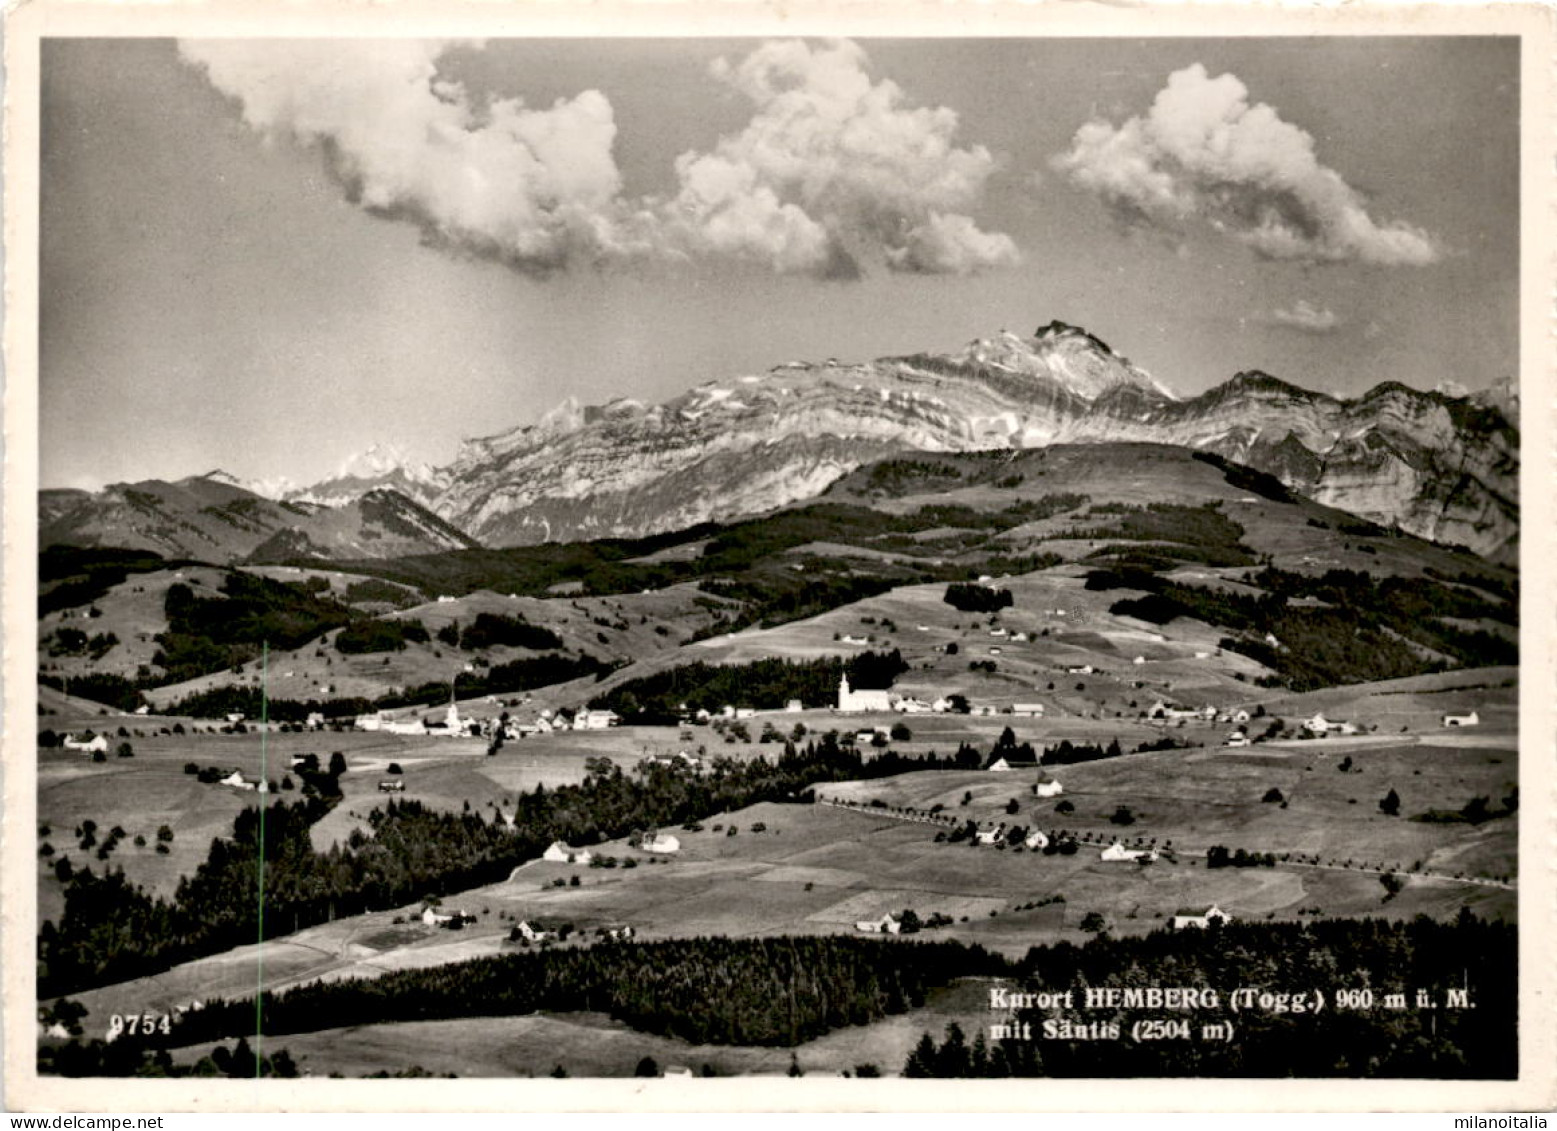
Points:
[[680, 557]]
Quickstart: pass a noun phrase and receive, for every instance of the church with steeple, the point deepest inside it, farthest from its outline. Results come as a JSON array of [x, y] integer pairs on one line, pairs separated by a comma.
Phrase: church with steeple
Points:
[[855, 701]]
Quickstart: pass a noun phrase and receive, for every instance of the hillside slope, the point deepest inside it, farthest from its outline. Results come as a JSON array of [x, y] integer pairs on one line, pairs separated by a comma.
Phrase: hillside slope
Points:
[[209, 518]]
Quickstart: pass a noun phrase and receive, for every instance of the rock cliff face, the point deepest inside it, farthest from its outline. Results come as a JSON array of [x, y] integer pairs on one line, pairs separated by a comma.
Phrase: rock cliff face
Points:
[[1441, 467]]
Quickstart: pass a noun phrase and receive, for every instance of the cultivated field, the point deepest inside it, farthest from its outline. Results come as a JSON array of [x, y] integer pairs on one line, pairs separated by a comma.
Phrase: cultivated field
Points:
[[820, 868], [593, 1044]]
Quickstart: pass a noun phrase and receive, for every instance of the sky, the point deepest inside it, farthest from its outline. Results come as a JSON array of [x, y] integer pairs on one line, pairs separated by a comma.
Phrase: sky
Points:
[[266, 256]]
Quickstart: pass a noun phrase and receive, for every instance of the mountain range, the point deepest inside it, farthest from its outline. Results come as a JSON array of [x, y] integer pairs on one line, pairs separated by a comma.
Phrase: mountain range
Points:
[[1437, 465], [209, 518]]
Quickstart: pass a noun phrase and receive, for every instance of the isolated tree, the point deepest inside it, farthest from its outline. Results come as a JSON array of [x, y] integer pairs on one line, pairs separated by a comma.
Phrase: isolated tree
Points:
[[1475, 810], [921, 1062], [648, 1066], [1274, 796], [337, 764], [1093, 923], [1389, 805]]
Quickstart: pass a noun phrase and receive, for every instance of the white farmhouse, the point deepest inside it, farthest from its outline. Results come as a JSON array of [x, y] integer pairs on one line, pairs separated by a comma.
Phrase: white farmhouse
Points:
[[1036, 840], [530, 932], [97, 742], [560, 853], [1048, 787], [1118, 852], [1199, 917], [1470, 720], [237, 780], [886, 925], [662, 844]]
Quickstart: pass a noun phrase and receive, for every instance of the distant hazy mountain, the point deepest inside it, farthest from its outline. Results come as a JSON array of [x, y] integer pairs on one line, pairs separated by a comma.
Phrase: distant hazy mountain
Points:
[[277, 488], [1442, 467], [208, 518], [381, 467]]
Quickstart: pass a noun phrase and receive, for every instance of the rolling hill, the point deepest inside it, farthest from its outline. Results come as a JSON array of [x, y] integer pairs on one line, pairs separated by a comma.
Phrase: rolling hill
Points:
[[209, 518]]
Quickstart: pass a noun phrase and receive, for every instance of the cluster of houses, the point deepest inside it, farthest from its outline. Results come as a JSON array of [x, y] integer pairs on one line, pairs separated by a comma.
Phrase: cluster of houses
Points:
[[1034, 840], [559, 853], [679, 760], [1207, 714], [455, 725], [534, 932], [860, 701], [659, 843], [452, 725]]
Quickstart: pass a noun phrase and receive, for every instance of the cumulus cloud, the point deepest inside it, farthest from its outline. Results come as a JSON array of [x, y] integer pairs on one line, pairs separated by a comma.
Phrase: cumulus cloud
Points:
[[533, 187], [1304, 315], [1204, 153], [834, 163], [834, 166]]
